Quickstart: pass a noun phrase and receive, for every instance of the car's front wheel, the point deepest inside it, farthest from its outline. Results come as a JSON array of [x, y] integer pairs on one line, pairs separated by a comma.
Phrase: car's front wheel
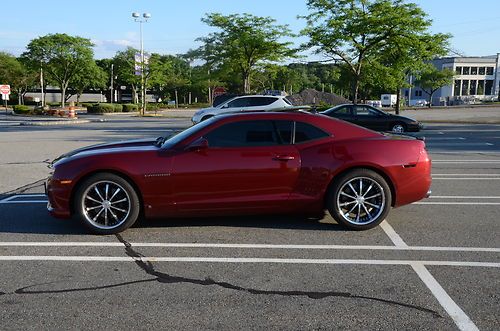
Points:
[[360, 199], [106, 203]]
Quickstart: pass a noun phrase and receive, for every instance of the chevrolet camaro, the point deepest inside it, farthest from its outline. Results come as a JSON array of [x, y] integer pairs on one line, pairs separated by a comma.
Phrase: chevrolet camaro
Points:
[[240, 164]]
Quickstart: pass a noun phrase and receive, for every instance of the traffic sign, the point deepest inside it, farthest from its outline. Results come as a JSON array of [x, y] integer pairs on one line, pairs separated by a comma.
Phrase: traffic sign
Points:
[[219, 91], [5, 89]]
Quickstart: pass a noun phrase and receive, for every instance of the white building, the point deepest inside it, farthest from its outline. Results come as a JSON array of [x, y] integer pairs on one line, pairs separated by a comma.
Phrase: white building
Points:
[[476, 78]]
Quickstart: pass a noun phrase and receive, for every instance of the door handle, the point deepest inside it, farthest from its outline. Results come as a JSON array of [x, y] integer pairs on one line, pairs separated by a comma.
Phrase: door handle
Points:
[[283, 158]]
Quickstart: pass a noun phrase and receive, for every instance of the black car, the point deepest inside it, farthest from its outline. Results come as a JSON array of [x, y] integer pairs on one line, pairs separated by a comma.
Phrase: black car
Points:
[[373, 118]]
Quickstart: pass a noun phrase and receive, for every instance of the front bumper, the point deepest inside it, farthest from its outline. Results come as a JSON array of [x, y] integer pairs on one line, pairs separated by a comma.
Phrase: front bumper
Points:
[[59, 198]]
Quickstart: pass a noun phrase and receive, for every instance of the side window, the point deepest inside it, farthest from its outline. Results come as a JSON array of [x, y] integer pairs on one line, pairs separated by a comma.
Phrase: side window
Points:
[[363, 111], [285, 129], [343, 110], [260, 101], [240, 102], [305, 132], [243, 134]]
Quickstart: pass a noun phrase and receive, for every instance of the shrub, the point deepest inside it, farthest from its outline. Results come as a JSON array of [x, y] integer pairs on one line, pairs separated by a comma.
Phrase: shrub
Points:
[[53, 104], [130, 107], [118, 107], [87, 105], [100, 108], [21, 109], [152, 106]]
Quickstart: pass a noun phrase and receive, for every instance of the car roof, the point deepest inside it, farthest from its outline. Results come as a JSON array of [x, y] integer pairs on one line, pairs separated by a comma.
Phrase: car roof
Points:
[[331, 125]]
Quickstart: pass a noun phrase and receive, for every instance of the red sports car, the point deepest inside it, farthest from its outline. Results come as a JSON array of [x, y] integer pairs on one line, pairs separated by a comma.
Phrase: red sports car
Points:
[[253, 163]]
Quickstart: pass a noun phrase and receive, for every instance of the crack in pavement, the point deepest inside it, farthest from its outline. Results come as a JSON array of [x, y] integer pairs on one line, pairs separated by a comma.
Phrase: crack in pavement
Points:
[[25, 290], [162, 277], [25, 188]]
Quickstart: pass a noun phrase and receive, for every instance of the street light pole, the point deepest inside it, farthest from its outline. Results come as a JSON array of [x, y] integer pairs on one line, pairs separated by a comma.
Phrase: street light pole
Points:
[[136, 17]]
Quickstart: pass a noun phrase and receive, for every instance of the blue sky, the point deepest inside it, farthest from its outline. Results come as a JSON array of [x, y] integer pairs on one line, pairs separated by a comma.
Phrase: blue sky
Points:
[[175, 25]]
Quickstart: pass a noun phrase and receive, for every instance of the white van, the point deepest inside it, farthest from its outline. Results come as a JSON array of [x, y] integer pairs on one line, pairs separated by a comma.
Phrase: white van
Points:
[[388, 100]]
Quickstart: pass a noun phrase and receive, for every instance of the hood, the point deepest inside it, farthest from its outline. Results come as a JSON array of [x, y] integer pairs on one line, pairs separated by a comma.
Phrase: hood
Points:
[[107, 146]]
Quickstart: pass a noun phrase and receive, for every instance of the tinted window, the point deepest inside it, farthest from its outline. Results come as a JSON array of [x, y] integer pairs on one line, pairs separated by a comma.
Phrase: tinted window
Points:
[[260, 101], [342, 110], [285, 129], [365, 111], [243, 134], [305, 132], [240, 102], [287, 101]]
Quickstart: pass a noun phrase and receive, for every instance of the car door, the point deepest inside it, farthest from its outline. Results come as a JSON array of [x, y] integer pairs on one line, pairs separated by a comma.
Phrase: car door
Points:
[[342, 112], [246, 168], [234, 105], [370, 118]]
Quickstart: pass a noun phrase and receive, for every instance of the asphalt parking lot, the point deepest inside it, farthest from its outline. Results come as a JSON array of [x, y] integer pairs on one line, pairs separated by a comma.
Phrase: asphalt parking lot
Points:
[[431, 265]]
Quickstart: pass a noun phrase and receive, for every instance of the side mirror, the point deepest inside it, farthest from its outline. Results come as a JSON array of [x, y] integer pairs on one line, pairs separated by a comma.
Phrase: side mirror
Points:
[[197, 145]]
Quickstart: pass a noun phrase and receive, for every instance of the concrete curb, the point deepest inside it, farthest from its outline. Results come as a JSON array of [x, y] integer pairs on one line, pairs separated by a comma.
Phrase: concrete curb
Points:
[[48, 123]]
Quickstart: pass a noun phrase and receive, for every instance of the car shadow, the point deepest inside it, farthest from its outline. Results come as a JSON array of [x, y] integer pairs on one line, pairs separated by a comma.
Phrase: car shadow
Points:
[[255, 221], [35, 220]]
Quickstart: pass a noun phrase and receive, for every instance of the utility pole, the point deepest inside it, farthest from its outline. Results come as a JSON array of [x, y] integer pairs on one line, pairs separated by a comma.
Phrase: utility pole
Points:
[[41, 86], [112, 94]]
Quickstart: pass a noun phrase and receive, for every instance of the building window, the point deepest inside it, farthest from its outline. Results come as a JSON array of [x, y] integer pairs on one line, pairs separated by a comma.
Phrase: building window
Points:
[[456, 90], [466, 70], [480, 87], [481, 70], [406, 93], [458, 70], [488, 88], [489, 70], [418, 93], [473, 70], [465, 87], [472, 87]]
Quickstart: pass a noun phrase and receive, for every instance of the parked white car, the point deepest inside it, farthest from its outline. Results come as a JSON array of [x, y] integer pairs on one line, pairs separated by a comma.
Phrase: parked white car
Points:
[[243, 103]]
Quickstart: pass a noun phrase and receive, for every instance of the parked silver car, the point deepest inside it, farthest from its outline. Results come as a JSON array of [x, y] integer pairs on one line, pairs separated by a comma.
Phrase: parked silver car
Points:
[[242, 104]]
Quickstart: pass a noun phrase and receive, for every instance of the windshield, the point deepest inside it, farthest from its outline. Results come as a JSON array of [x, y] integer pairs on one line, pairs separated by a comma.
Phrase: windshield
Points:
[[174, 140]]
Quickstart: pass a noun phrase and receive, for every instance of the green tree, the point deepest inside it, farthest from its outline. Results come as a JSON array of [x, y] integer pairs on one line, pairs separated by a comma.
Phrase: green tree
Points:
[[94, 77], [431, 79], [124, 70], [242, 42], [354, 32], [14, 73], [61, 56]]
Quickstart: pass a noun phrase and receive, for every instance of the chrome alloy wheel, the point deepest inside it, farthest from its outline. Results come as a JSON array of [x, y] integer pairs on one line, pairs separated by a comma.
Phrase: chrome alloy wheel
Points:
[[361, 201], [398, 128], [105, 205]]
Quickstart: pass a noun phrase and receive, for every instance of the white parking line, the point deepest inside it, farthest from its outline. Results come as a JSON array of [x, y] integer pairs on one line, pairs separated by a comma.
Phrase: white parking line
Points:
[[461, 319], [463, 197], [457, 314], [242, 260], [457, 203], [10, 200], [465, 161], [483, 175], [395, 238], [251, 246], [465, 178]]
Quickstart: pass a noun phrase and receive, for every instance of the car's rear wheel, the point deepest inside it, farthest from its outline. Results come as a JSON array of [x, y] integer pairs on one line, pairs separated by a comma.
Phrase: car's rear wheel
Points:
[[106, 203], [359, 199], [398, 128]]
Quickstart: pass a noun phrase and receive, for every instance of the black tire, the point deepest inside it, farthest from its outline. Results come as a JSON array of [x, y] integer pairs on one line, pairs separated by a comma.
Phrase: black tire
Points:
[[106, 203], [398, 127], [206, 117], [353, 199]]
